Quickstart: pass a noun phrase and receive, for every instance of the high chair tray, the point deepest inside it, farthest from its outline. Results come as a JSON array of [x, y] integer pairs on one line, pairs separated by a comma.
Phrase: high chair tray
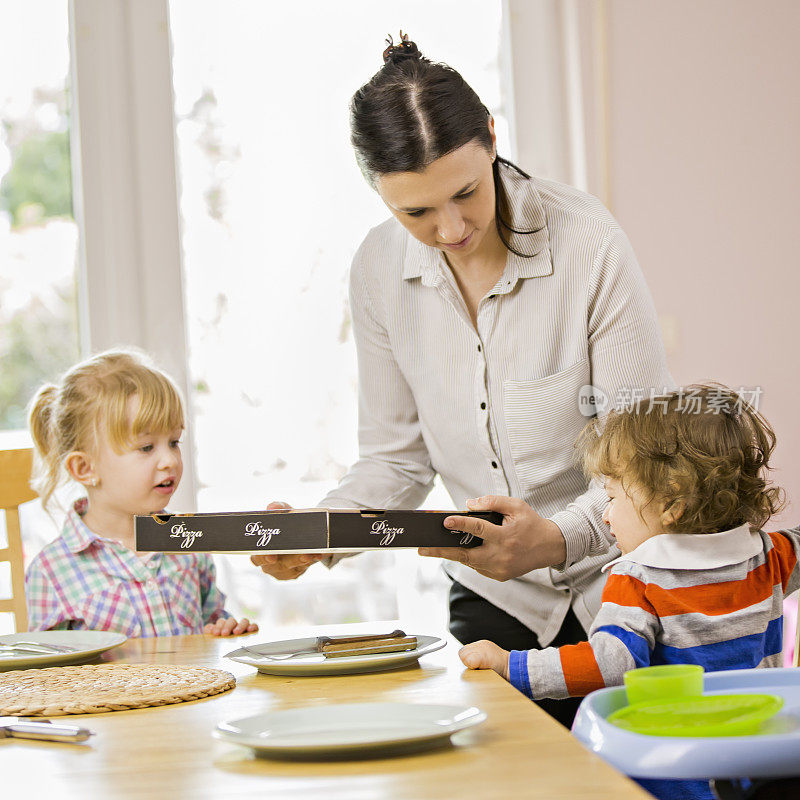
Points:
[[774, 752]]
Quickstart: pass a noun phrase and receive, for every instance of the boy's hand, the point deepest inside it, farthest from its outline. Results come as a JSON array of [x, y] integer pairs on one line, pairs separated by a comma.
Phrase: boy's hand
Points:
[[485, 655], [230, 627]]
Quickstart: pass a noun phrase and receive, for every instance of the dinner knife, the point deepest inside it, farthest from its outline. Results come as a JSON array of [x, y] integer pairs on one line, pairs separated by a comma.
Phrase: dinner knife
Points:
[[333, 646], [21, 728]]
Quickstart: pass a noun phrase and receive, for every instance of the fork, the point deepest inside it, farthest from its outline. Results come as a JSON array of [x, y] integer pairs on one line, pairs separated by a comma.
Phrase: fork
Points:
[[37, 648], [282, 656]]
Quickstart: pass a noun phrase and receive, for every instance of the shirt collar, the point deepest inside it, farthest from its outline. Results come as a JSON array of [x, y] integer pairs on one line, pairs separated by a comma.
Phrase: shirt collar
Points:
[[528, 214], [79, 537], [695, 550], [76, 534], [421, 261]]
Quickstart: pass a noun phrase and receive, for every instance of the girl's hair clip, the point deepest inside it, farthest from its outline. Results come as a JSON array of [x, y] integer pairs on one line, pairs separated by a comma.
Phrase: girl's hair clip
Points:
[[404, 49]]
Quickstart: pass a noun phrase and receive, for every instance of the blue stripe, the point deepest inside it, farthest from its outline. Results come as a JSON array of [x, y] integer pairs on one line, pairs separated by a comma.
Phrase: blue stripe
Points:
[[665, 789], [518, 671], [746, 652], [637, 645]]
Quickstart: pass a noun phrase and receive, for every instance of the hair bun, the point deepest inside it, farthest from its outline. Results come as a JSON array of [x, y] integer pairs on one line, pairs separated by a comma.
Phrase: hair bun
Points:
[[404, 50]]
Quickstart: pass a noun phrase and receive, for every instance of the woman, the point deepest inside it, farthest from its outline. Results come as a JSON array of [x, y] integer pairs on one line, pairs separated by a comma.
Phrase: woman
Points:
[[483, 311]]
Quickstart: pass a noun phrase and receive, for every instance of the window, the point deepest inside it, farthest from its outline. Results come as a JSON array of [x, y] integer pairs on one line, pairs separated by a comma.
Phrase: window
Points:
[[38, 235], [273, 208]]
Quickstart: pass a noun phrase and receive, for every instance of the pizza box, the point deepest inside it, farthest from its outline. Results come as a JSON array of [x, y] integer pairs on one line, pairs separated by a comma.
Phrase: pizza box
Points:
[[317, 530]]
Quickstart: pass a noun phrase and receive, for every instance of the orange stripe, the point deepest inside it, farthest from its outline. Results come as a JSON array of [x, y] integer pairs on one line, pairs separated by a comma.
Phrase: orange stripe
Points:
[[581, 673], [625, 590], [785, 556], [712, 599], [720, 598]]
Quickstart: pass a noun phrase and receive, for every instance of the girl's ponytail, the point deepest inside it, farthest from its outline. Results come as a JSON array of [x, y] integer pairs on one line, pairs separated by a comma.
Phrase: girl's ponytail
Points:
[[47, 461]]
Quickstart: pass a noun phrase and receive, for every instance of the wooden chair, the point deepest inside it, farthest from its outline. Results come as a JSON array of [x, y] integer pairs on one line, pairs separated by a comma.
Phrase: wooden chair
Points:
[[15, 475]]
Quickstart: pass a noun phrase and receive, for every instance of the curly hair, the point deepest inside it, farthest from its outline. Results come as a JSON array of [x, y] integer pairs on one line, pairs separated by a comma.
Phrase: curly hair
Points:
[[703, 452]]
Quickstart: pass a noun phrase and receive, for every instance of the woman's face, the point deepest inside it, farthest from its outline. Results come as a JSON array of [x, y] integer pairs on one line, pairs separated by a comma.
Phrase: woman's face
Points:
[[450, 204]]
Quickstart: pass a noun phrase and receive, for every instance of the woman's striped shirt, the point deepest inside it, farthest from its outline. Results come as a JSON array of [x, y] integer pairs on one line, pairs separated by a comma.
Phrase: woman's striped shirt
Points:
[[496, 407]]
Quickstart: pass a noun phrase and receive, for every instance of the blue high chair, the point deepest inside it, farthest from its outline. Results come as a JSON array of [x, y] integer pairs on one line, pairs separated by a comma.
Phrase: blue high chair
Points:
[[738, 766]]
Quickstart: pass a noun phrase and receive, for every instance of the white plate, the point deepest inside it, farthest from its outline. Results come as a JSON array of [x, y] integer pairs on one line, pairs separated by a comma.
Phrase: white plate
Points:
[[348, 729], [88, 644], [317, 664]]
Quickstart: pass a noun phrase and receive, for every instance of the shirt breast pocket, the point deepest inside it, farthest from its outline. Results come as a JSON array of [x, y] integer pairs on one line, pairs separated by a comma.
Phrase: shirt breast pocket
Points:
[[543, 421]]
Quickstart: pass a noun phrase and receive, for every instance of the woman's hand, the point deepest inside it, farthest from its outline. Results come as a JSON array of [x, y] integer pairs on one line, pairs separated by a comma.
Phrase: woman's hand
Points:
[[485, 655], [285, 567], [230, 627], [524, 541]]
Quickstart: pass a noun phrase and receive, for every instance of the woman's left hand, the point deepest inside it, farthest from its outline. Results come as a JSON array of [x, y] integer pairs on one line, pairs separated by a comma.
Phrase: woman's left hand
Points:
[[230, 627], [525, 540]]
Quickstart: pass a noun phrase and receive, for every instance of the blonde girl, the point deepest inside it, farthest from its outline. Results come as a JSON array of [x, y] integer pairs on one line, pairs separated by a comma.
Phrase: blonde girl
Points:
[[113, 425]]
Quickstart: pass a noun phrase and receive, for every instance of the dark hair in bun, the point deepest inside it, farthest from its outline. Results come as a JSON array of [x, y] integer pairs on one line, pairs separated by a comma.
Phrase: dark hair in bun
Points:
[[414, 111], [396, 53]]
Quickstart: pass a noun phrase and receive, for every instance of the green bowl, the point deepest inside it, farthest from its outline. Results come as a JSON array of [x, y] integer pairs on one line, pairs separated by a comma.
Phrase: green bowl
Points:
[[708, 715], [663, 682]]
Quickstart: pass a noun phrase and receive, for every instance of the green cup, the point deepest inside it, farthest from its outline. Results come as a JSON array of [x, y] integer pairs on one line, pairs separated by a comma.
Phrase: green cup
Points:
[[663, 682]]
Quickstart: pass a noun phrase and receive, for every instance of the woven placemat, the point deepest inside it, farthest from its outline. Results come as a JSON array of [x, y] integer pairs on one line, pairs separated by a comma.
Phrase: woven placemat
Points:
[[96, 688]]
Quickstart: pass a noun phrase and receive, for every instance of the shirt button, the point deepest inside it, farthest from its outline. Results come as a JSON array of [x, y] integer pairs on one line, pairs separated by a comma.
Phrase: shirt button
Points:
[[483, 406], [479, 348], [494, 465]]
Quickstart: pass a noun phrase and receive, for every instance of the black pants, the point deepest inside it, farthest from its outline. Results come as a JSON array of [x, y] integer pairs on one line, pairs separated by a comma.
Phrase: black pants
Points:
[[472, 618]]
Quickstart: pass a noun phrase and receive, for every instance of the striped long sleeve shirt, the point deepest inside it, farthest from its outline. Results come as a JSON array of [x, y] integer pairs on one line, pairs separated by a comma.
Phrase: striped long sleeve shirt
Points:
[[710, 599], [84, 581], [495, 407]]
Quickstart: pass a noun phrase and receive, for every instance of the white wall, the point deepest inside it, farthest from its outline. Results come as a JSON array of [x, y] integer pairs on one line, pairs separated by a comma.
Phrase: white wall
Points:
[[704, 170], [691, 119]]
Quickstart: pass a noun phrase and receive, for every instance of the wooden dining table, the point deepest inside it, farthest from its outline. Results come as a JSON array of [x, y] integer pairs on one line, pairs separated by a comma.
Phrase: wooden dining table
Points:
[[169, 751]]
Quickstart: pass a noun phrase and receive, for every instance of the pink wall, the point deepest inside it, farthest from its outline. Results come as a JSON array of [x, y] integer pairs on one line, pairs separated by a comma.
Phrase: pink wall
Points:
[[704, 176]]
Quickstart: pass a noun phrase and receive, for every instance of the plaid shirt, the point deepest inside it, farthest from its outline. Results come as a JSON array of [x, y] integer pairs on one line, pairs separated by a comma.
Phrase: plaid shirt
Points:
[[83, 581]]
